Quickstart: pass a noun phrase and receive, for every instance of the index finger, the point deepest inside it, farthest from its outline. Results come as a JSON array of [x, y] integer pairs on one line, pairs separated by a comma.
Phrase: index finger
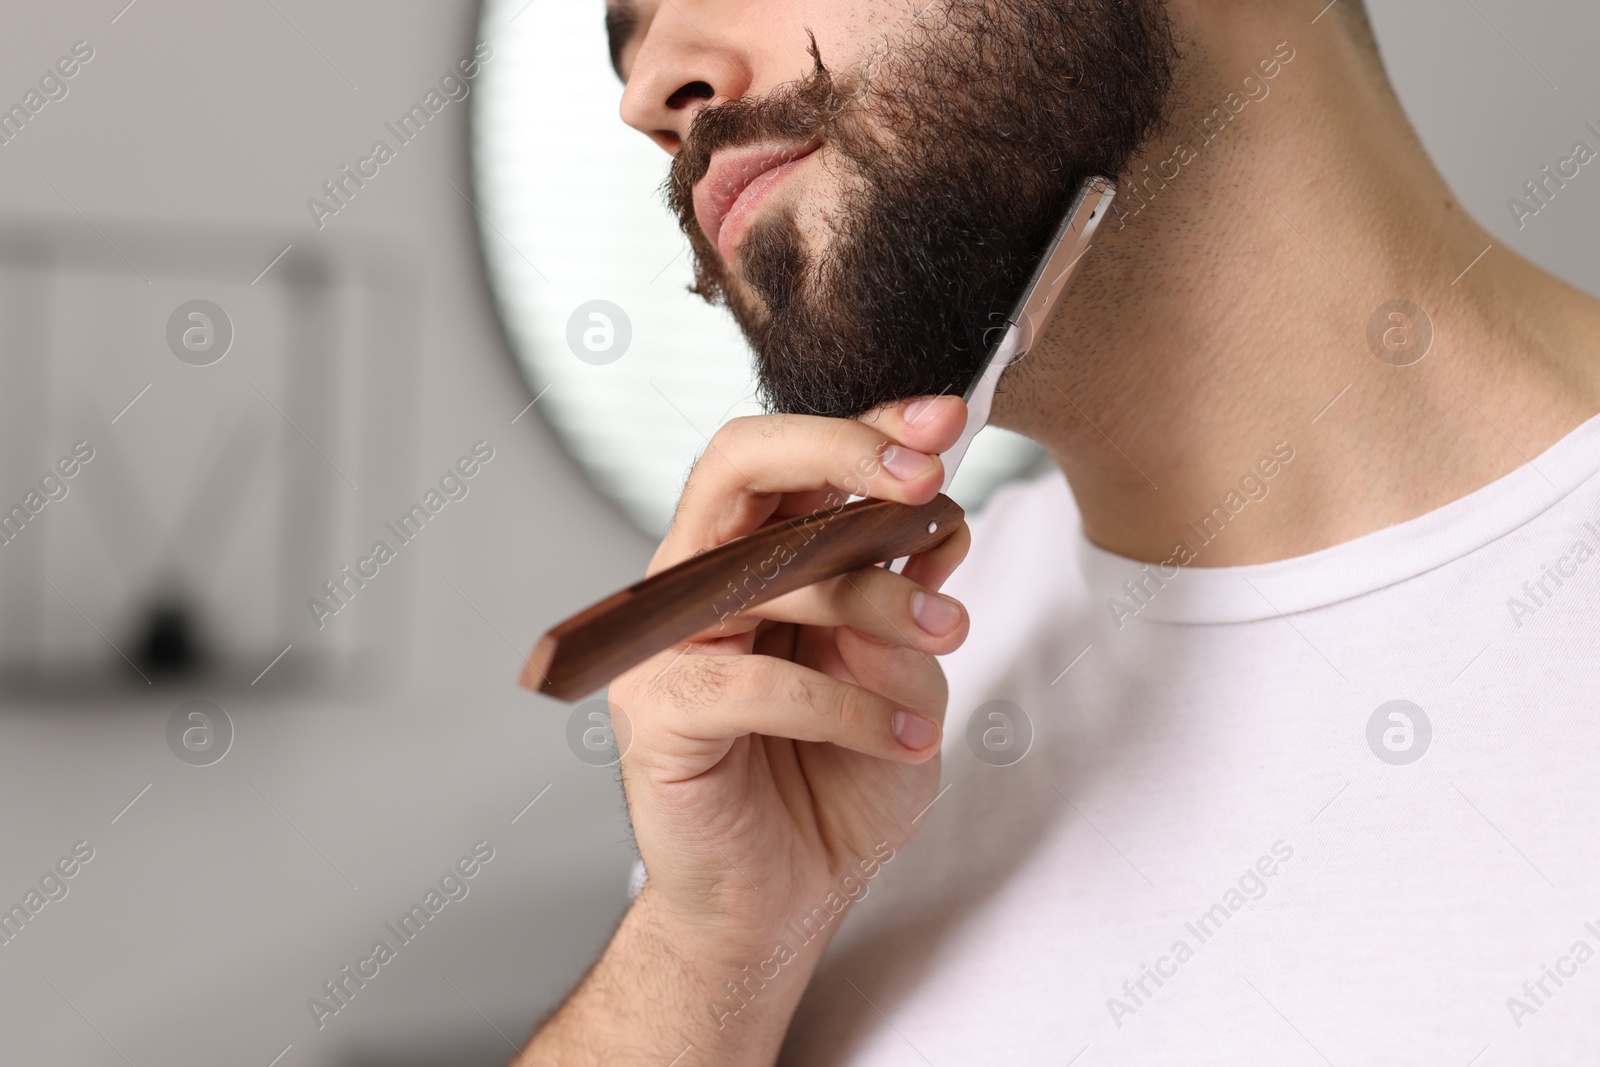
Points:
[[753, 462]]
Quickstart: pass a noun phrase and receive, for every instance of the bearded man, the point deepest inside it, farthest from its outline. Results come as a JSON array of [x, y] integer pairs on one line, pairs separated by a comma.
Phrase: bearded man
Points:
[[1274, 737]]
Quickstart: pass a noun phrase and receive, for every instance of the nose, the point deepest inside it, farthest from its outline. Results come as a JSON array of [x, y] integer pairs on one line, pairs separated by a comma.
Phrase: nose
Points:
[[677, 70]]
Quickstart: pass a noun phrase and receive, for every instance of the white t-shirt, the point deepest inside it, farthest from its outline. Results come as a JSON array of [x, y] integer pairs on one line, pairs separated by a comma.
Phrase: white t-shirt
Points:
[[1224, 844]]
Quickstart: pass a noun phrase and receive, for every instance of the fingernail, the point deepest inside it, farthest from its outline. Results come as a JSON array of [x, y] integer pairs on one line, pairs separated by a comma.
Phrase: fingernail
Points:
[[904, 463], [919, 411], [914, 731], [936, 614]]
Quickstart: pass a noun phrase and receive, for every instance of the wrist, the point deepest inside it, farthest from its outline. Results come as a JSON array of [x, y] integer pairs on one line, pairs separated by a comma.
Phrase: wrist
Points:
[[718, 944]]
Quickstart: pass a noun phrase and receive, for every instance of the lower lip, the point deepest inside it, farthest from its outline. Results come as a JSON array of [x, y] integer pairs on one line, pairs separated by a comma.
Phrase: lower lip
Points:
[[741, 214]]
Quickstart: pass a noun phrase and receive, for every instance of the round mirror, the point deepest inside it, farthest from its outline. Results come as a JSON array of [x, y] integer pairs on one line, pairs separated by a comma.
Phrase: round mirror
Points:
[[590, 271]]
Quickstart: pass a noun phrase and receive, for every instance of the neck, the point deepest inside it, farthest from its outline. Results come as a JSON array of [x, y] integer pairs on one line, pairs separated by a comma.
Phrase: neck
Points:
[[1223, 320]]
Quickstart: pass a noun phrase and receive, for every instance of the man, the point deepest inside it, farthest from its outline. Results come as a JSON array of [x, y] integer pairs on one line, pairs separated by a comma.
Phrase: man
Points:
[[1273, 740]]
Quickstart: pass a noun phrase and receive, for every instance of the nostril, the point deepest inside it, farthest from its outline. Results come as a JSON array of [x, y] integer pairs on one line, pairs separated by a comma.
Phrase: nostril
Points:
[[690, 93]]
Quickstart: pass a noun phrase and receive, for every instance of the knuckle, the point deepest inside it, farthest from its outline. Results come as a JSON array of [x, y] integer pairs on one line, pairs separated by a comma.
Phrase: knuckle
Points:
[[807, 692], [745, 681], [770, 426], [851, 708], [741, 430], [856, 449], [837, 436], [732, 431], [730, 441], [696, 682]]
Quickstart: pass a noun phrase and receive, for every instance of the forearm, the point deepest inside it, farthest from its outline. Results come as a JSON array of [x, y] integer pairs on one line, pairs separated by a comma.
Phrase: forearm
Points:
[[660, 990]]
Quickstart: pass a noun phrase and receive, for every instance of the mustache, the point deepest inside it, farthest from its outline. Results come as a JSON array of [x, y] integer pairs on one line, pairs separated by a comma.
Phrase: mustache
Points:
[[801, 110]]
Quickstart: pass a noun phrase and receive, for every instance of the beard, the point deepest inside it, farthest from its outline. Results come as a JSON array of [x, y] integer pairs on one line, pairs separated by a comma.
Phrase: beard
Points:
[[961, 143]]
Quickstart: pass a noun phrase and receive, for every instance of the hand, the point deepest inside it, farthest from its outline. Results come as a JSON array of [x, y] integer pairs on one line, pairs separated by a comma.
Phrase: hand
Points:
[[766, 761]]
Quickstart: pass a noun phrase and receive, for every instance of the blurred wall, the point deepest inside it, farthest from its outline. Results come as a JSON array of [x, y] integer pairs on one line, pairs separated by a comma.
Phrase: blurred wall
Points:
[[225, 896]]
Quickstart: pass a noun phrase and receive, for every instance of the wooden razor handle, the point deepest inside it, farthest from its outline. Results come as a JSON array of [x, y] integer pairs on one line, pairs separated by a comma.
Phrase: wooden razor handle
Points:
[[583, 653]]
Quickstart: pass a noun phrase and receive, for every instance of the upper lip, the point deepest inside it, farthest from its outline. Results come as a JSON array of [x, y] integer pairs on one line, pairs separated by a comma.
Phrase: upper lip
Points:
[[730, 173]]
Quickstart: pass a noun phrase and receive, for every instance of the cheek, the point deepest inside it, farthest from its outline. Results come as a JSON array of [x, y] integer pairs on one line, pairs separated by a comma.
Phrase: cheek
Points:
[[814, 217], [817, 203], [777, 34]]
